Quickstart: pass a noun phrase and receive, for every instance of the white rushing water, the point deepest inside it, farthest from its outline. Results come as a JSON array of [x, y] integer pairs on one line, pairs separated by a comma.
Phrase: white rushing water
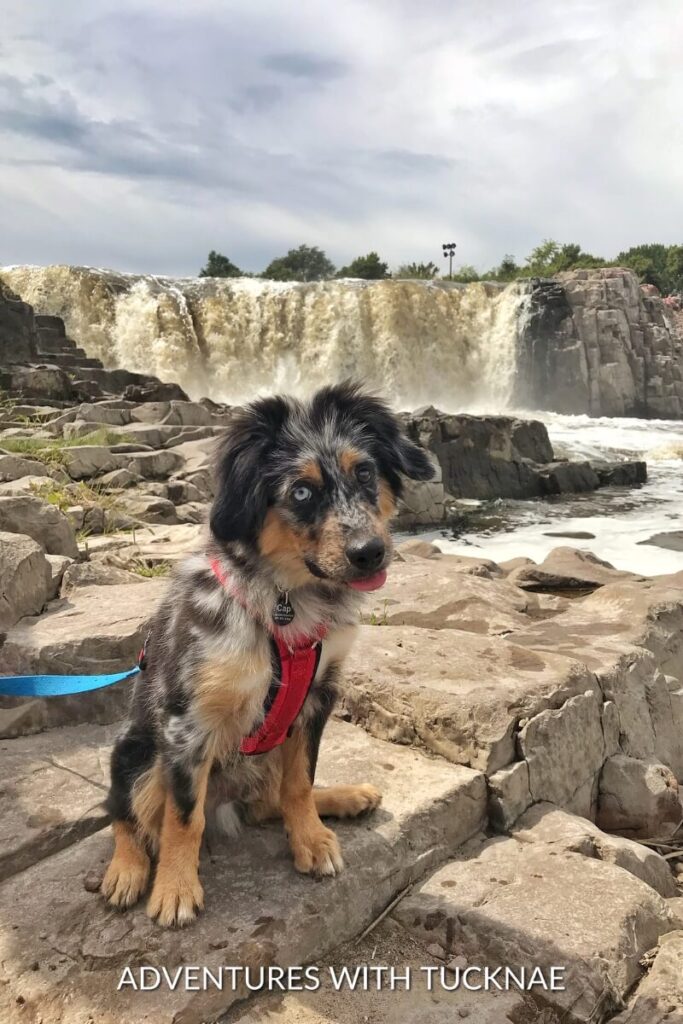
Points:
[[420, 342], [620, 519]]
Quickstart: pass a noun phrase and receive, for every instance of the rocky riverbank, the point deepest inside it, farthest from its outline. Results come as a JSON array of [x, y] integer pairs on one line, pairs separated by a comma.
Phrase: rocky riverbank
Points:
[[524, 722]]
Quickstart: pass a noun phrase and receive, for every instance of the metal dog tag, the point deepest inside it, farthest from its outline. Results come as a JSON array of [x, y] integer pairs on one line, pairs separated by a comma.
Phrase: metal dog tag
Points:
[[283, 613]]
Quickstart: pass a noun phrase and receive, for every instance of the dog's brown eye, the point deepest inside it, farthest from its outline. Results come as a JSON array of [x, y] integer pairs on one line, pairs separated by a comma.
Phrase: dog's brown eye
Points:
[[302, 493], [364, 474]]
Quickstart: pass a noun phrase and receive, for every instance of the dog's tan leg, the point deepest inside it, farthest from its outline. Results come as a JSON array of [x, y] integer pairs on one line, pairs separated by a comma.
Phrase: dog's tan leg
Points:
[[346, 801], [177, 893], [315, 847], [127, 876]]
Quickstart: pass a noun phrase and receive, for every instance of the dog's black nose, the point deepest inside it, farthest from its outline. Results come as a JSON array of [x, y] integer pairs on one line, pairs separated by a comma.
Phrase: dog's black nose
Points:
[[367, 557]]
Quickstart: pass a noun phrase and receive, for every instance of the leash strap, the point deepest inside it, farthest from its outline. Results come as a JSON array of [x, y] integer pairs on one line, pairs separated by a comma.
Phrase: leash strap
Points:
[[58, 686]]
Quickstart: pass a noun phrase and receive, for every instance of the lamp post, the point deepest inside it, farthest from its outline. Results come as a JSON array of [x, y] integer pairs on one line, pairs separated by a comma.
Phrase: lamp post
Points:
[[448, 253]]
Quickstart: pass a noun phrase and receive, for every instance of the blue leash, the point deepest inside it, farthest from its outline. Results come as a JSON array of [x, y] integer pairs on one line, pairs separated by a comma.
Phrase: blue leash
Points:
[[58, 686]]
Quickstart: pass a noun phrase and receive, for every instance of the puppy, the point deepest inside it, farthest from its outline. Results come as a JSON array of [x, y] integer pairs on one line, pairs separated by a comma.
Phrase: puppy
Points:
[[239, 672]]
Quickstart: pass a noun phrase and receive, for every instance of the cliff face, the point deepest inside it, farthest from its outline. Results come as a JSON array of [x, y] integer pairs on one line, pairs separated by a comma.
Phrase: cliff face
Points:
[[17, 328], [594, 343]]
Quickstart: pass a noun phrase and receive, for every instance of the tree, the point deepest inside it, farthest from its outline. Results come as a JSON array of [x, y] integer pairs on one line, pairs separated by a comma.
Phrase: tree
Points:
[[656, 264], [218, 265], [420, 271], [369, 267], [507, 271], [307, 263], [466, 274]]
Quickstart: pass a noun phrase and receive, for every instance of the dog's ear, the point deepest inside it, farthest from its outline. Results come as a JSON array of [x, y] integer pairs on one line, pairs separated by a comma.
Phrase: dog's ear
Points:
[[242, 494], [393, 452]]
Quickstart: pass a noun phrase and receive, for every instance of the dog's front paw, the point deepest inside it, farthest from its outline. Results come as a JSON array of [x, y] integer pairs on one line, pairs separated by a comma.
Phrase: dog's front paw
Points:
[[360, 799], [175, 898], [317, 852], [125, 880]]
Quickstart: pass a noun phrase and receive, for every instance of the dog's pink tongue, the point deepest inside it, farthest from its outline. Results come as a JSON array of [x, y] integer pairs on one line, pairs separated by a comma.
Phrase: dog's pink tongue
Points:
[[372, 582]]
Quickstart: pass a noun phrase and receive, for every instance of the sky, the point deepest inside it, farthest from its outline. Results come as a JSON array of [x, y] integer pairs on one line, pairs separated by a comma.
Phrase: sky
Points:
[[139, 134]]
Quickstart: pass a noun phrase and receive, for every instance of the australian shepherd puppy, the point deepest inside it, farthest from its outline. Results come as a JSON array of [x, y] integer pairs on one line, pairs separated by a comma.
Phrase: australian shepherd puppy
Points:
[[299, 528]]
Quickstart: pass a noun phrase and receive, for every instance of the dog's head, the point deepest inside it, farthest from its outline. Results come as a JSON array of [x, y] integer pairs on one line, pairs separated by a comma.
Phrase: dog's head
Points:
[[312, 487]]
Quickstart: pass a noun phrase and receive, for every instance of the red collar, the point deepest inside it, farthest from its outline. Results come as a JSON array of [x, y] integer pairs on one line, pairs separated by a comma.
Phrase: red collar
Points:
[[298, 659]]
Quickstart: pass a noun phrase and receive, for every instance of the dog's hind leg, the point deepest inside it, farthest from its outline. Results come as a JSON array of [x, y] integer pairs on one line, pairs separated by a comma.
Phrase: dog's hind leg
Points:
[[346, 801]]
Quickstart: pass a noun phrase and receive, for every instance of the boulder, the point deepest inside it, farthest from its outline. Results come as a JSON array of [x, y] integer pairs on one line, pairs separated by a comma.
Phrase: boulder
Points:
[[58, 565], [40, 520], [95, 574], [459, 694], [49, 383], [148, 508], [567, 569], [13, 467], [659, 997], [509, 795], [97, 630], [25, 578], [154, 465], [85, 461], [519, 904], [272, 915], [560, 830], [638, 798]]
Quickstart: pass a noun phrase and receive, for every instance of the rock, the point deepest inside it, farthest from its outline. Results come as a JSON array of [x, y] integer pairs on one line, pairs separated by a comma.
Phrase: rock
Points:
[[459, 694], [546, 823], [154, 465], [622, 474], [58, 564], [659, 998], [36, 485], [93, 574], [52, 794], [672, 540], [638, 798], [567, 569], [148, 508], [436, 594], [85, 461], [95, 631], [564, 749], [568, 478], [24, 578], [593, 343], [41, 521], [570, 534], [13, 467], [509, 795], [119, 478], [505, 902], [272, 916], [154, 391], [40, 381], [18, 336], [418, 549], [423, 503]]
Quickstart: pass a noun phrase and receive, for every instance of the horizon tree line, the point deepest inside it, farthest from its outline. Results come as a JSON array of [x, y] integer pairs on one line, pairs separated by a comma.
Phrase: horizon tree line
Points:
[[654, 263]]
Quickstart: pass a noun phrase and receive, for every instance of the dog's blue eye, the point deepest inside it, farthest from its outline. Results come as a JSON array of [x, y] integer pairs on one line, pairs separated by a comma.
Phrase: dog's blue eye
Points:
[[302, 493]]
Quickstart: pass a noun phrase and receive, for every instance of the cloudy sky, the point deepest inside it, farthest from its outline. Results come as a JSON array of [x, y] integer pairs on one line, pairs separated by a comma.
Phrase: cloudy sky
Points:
[[139, 134]]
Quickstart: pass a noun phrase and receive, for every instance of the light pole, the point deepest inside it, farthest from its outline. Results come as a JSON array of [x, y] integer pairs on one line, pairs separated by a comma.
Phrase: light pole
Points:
[[448, 253]]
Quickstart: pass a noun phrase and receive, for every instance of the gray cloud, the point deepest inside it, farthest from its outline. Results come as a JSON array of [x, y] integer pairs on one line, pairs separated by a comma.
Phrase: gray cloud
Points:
[[146, 133]]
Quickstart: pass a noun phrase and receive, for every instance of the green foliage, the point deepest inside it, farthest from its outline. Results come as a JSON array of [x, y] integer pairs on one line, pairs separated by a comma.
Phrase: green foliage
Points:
[[218, 265], [369, 268], [465, 274], [307, 263], [660, 265], [149, 569], [418, 271], [50, 449]]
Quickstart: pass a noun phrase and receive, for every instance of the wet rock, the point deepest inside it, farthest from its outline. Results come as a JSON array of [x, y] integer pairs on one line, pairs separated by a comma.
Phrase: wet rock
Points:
[[25, 578], [40, 520], [622, 474], [638, 798], [567, 569], [671, 540]]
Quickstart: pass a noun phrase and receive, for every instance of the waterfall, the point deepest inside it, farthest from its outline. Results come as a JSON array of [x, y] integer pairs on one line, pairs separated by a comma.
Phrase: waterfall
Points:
[[454, 346]]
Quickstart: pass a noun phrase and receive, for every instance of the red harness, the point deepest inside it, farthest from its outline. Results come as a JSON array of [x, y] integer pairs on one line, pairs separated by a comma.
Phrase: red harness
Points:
[[298, 660]]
